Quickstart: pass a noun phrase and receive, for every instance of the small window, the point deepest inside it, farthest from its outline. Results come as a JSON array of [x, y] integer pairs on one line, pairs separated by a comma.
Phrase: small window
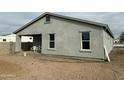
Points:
[[85, 40], [52, 41], [47, 18], [4, 40]]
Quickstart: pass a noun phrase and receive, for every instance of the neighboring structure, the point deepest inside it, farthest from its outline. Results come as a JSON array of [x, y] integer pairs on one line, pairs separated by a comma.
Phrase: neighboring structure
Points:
[[62, 35], [12, 38], [116, 41], [27, 39], [8, 38]]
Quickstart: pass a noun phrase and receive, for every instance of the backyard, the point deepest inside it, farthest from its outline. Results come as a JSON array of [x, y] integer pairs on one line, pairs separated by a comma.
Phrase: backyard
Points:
[[47, 67]]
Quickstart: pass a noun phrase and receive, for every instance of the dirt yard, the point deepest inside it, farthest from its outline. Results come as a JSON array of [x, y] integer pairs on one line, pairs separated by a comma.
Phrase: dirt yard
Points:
[[42, 67]]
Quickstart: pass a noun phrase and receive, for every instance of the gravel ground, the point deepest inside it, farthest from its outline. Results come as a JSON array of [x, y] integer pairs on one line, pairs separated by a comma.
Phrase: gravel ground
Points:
[[42, 67]]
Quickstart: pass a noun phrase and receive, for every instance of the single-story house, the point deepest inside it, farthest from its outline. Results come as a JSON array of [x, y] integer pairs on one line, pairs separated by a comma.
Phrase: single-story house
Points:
[[63, 35]]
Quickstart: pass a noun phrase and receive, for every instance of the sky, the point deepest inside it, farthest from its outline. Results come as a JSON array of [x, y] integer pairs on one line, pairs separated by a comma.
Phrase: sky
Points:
[[10, 21]]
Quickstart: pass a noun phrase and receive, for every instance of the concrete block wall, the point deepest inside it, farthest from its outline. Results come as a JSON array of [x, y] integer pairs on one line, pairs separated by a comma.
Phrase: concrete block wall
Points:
[[6, 48]]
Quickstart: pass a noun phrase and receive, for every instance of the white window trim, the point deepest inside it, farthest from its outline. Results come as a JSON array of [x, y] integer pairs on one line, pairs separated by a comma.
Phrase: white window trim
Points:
[[53, 49], [85, 50]]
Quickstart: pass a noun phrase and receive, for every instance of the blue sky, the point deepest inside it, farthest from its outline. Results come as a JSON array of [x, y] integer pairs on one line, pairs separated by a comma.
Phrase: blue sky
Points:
[[10, 21]]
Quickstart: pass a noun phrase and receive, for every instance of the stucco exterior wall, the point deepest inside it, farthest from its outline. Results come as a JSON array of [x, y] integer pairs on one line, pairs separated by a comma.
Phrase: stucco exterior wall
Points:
[[67, 37], [108, 41]]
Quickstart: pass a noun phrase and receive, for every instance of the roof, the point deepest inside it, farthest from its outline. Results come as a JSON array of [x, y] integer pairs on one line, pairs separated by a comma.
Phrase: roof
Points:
[[105, 26], [7, 34]]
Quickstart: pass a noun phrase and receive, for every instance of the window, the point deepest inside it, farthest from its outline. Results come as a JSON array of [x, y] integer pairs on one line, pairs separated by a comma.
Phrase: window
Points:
[[52, 41], [4, 40], [85, 43], [47, 18]]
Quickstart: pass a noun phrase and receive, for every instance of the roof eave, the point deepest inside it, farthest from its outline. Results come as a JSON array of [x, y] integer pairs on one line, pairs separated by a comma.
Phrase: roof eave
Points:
[[65, 17]]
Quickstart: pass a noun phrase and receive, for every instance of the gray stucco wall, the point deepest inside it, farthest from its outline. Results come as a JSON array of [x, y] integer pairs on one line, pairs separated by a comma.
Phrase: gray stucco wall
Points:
[[108, 41], [67, 37], [18, 43]]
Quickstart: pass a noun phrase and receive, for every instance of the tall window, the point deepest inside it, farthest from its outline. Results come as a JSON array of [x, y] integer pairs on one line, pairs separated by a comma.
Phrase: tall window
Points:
[[47, 18], [85, 40], [52, 41]]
